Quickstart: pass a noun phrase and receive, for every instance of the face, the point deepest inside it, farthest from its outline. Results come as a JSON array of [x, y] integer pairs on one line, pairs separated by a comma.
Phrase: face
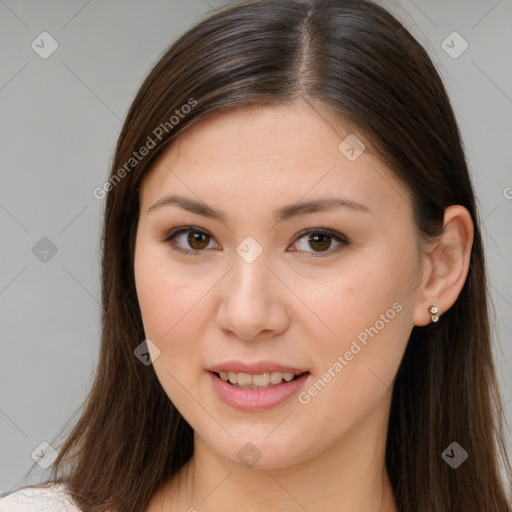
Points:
[[238, 278]]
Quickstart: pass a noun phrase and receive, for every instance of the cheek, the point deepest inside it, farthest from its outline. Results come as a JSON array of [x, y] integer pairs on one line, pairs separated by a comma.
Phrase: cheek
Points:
[[175, 312], [353, 296], [171, 313], [165, 297], [368, 310]]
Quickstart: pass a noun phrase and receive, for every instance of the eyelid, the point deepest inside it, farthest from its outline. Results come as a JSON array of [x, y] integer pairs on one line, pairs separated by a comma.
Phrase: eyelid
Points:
[[341, 239]]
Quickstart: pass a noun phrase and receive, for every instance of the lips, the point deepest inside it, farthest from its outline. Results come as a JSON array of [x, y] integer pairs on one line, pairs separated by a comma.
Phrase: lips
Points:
[[249, 386]]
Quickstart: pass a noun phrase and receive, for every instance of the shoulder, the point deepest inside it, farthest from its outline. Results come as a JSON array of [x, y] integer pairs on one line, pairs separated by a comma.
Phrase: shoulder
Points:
[[52, 498]]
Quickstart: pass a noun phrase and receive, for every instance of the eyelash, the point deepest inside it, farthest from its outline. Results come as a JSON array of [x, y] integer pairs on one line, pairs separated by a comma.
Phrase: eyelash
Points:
[[337, 237]]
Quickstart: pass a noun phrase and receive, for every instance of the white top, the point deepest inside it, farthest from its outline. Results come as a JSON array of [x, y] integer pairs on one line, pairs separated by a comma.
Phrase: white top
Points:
[[35, 499]]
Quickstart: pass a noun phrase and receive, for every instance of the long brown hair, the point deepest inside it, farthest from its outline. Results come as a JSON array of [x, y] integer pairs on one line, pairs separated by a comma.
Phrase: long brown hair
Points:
[[358, 61]]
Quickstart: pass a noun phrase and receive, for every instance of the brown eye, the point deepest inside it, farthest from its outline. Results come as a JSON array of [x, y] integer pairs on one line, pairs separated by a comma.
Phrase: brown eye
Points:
[[198, 240], [320, 242], [189, 240]]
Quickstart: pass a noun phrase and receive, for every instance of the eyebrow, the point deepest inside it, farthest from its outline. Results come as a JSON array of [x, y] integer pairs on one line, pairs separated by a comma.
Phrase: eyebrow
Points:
[[287, 212]]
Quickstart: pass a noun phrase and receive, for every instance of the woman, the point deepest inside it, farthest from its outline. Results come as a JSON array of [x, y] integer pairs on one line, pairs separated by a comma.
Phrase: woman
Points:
[[294, 294]]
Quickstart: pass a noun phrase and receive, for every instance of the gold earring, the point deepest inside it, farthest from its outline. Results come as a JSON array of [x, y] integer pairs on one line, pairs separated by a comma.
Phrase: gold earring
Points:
[[434, 316]]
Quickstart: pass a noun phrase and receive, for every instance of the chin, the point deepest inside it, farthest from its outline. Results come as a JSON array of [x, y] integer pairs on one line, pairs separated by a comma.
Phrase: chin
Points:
[[255, 449]]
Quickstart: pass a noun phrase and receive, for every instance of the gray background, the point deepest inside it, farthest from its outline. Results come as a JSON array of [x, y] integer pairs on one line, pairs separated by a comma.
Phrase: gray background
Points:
[[60, 118]]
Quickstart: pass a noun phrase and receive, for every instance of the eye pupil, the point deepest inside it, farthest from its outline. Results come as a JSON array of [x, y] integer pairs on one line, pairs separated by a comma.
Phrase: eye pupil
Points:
[[323, 240], [195, 237]]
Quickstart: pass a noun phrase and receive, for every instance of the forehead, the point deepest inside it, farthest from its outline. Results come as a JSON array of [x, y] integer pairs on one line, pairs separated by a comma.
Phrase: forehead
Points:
[[253, 134], [274, 154]]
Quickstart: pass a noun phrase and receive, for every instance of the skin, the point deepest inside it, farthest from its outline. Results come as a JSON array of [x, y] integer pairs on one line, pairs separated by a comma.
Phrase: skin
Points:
[[295, 305]]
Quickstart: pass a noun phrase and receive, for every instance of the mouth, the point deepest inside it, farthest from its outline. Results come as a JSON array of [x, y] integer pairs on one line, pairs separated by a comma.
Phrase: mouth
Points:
[[257, 386], [257, 381]]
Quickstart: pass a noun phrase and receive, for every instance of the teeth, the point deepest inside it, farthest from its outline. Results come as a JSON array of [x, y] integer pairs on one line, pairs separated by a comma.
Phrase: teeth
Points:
[[276, 377], [244, 379], [262, 380]]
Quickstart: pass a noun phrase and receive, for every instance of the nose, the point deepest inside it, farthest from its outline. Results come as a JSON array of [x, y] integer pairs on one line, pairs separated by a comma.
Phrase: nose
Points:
[[253, 302]]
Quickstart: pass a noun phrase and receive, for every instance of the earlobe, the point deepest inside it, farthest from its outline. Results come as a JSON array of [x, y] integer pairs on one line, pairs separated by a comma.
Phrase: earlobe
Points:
[[447, 264]]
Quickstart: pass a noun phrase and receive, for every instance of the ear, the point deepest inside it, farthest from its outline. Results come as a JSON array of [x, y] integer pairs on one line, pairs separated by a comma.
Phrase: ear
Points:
[[446, 265]]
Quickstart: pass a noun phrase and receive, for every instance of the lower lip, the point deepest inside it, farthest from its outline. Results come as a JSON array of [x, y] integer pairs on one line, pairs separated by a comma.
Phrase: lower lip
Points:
[[256, 399]]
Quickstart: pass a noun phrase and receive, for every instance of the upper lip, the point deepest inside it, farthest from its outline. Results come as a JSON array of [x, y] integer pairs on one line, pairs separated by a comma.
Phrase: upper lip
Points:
[[254, 368]]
